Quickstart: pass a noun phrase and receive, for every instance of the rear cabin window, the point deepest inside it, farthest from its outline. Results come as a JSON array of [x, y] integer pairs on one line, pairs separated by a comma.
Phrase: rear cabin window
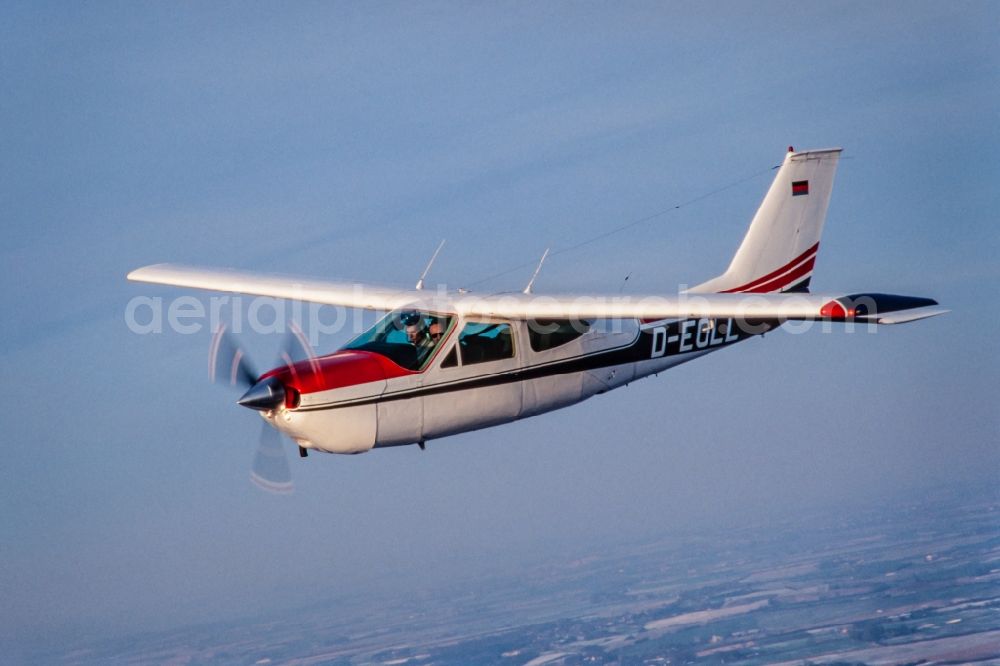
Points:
[[484, 342], [552, 333]]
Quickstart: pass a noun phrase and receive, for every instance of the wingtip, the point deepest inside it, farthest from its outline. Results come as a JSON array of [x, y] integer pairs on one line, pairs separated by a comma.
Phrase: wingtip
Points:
[[141, 274]]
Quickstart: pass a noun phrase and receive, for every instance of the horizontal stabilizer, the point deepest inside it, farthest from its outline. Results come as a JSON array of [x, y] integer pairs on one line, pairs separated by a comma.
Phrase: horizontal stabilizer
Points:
[[904, 316]]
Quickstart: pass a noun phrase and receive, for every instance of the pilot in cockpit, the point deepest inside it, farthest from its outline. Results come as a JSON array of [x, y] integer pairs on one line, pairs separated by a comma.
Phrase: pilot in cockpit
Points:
[[419, 336]]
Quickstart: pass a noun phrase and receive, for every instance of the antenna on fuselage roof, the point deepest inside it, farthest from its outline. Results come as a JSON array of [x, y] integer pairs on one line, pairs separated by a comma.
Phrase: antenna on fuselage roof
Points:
[[420, 282], [531, 282]]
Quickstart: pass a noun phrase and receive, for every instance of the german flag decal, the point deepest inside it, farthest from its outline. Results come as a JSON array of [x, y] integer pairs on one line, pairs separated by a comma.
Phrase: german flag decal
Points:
[[800, 187]]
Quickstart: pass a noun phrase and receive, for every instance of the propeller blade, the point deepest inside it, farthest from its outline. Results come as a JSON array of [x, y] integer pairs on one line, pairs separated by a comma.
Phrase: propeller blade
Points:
[[227, 364], [295, 347], [270, 465]]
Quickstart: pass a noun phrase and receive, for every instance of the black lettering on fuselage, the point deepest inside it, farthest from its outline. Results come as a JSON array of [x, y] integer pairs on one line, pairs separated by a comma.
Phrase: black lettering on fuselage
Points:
[[686, 326], [687, 335], [659, 342]]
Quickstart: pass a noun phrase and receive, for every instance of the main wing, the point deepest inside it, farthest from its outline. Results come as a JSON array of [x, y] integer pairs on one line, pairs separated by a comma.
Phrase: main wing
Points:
[[865, 307], [875, 308], [310, 290]]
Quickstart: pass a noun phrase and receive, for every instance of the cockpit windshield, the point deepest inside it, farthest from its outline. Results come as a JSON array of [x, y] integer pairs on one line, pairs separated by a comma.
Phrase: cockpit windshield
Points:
[[406, 337]]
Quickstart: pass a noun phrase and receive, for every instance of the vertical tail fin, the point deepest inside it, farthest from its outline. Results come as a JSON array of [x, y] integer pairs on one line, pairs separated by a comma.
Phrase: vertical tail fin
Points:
[[779, 250]]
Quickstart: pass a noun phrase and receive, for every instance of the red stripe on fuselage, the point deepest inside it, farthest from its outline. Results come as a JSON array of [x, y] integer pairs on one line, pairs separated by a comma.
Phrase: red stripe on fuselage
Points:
[[752, 286], [786, 280], [337, 370]]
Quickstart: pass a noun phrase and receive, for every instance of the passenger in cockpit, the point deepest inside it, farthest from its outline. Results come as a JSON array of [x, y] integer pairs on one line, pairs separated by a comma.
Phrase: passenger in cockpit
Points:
[[435, 331]]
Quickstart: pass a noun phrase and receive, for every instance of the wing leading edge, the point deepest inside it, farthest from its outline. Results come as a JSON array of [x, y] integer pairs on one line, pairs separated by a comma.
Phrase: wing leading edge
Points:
[[310, 290], [873, 308], [866, 307]]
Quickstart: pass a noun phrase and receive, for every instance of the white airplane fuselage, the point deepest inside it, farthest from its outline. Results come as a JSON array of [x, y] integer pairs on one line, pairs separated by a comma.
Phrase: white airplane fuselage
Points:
[[362, 400]]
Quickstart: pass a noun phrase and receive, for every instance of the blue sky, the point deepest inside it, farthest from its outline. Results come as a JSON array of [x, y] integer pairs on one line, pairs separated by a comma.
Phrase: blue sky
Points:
[[346, 141]]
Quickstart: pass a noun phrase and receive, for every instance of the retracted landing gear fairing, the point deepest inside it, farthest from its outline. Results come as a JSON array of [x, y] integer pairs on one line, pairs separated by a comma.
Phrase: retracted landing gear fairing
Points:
[[449, 362]]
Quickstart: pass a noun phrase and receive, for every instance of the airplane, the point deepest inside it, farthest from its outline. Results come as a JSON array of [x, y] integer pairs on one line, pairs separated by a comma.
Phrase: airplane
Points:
[[446, 362]]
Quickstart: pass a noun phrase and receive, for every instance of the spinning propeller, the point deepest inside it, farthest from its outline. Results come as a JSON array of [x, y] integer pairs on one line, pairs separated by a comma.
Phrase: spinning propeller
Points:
[[228, 364]]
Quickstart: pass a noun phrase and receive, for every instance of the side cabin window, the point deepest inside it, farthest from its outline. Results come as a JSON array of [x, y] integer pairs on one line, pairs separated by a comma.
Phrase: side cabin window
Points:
[[484, 342], [545, 334], [408, 338], [451, 360]]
